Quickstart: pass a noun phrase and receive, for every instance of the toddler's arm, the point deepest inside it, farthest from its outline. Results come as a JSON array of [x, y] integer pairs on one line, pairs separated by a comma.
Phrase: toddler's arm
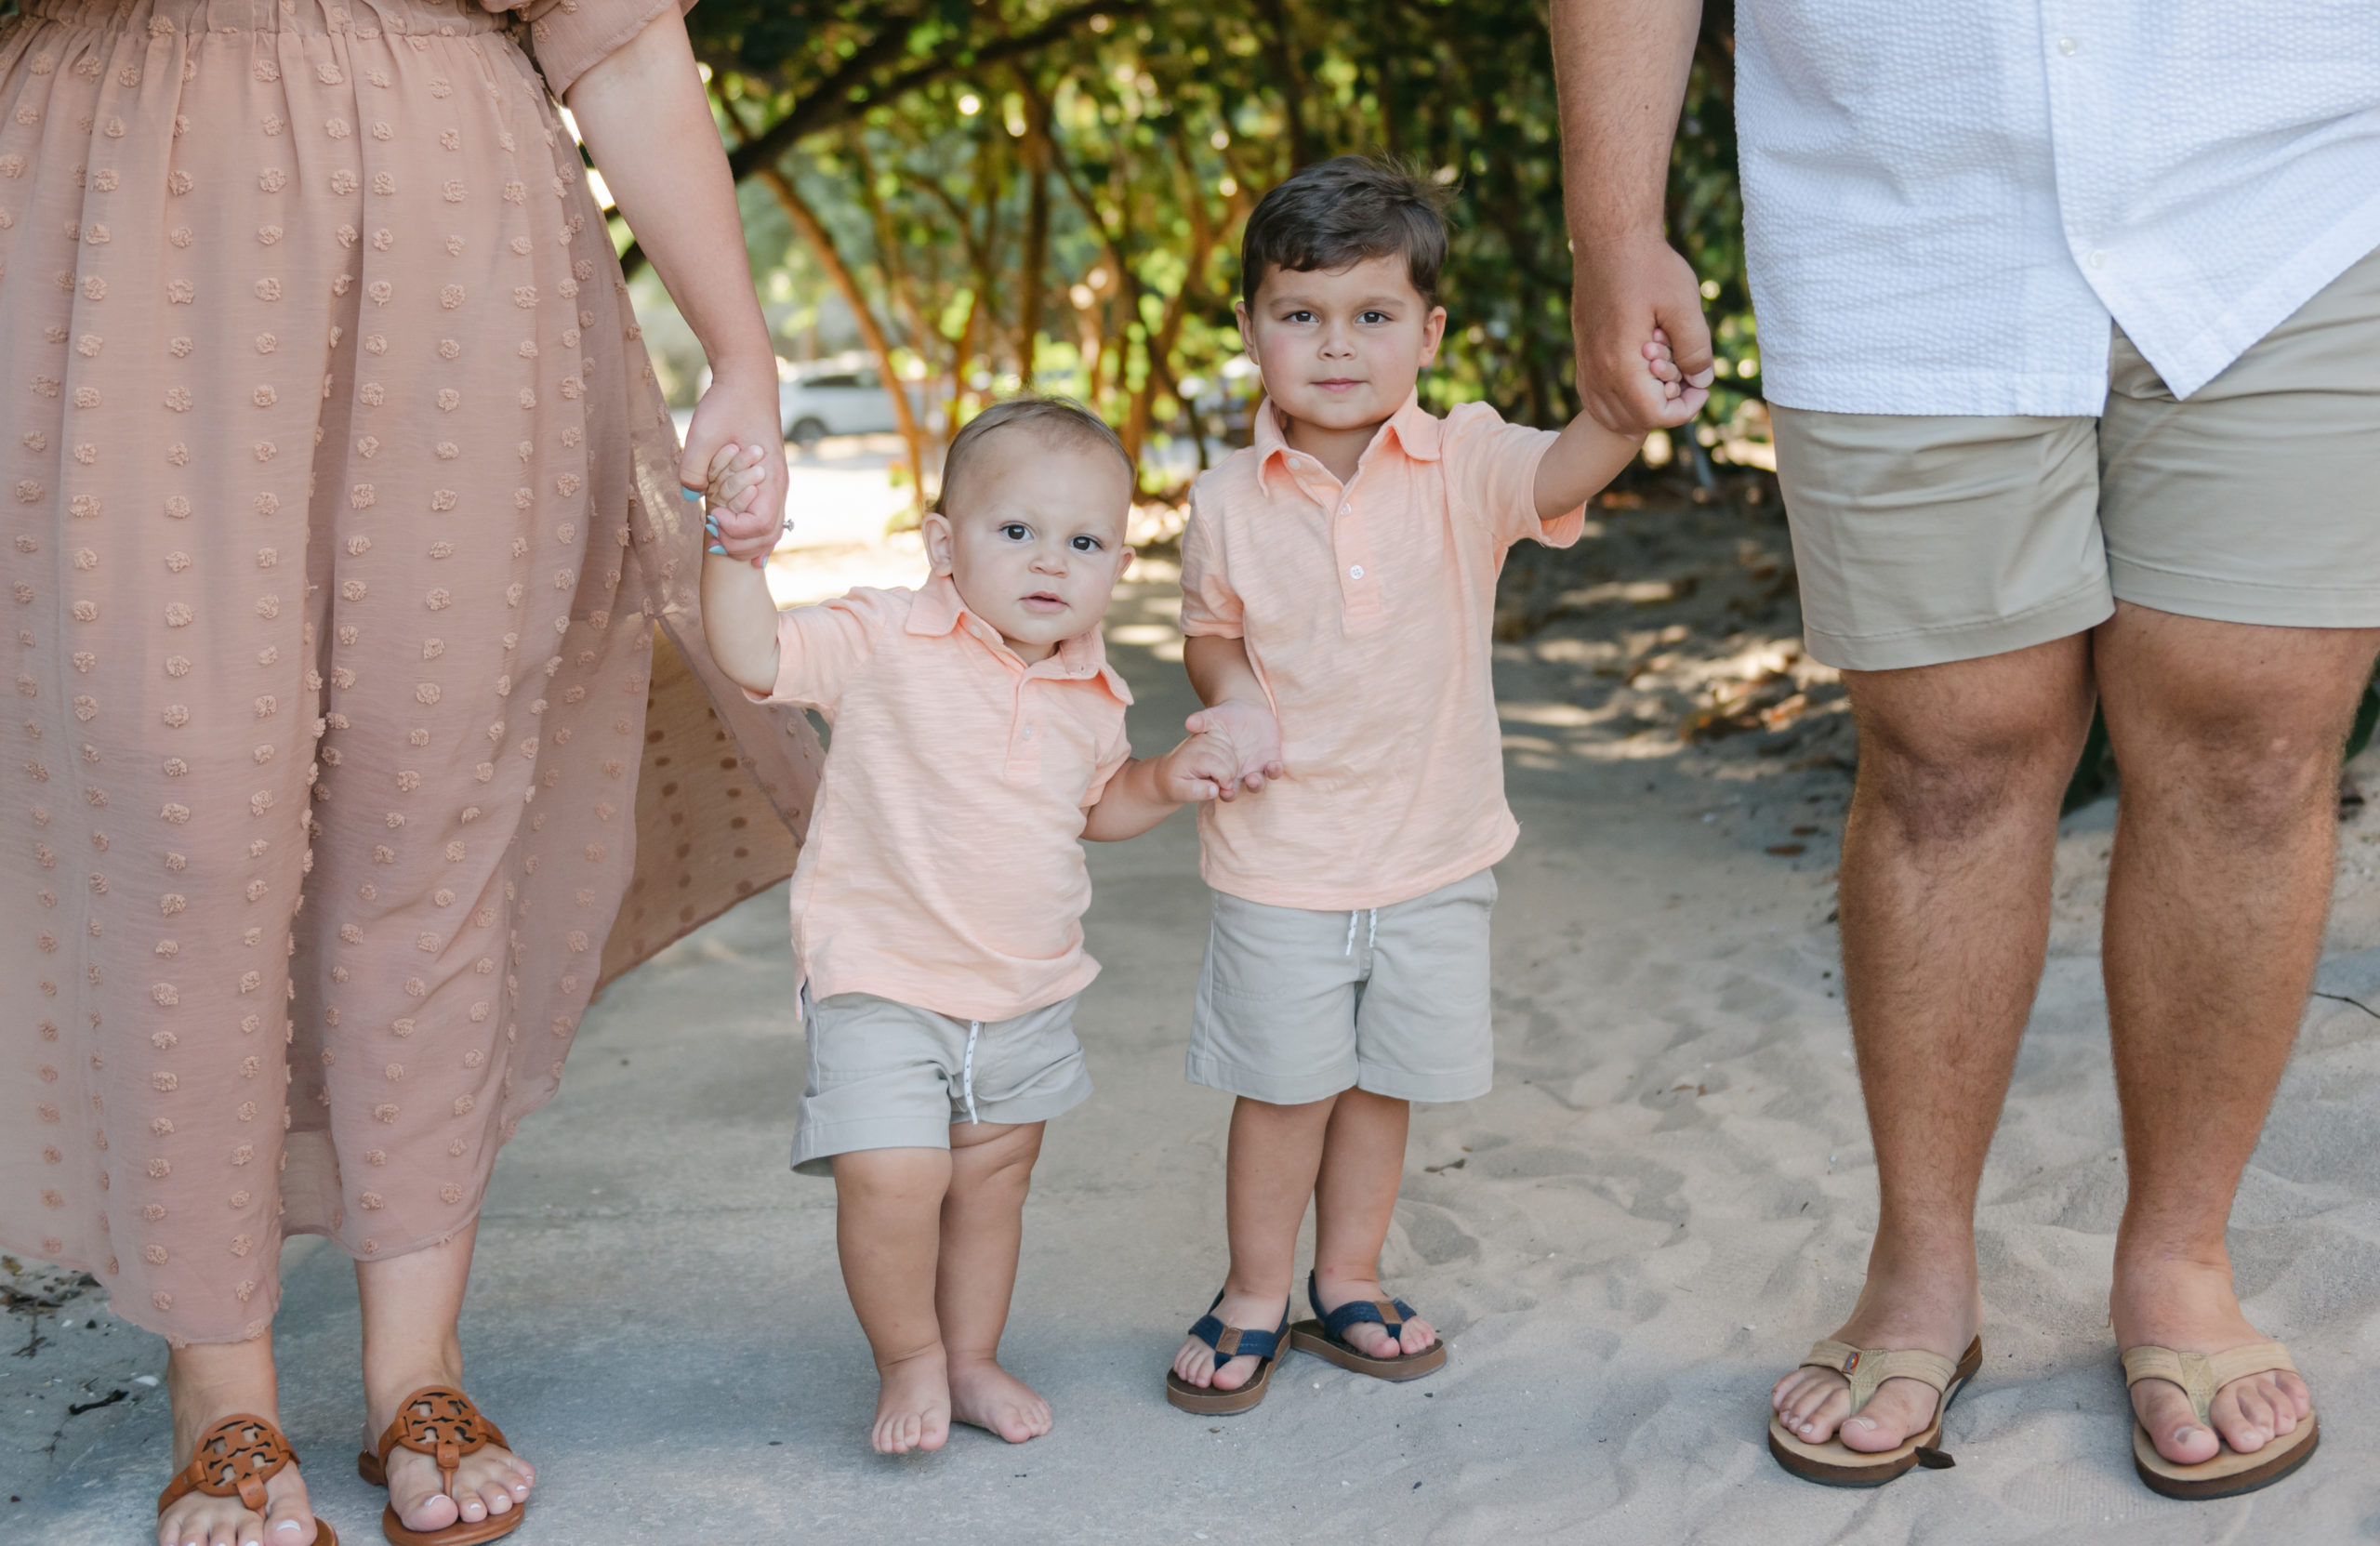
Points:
[[1588, 455], [739, 615], [1147, 789], [1237, 710]]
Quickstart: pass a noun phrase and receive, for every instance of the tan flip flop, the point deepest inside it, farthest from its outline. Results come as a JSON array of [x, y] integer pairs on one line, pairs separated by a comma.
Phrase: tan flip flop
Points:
[[234, 1459], [2201, 1375], [1835, 1464], [1229, 1343], [440, 1421]]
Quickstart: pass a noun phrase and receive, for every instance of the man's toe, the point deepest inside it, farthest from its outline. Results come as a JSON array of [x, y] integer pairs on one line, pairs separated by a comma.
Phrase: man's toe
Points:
[[1899, 1409], [2164, 1412]]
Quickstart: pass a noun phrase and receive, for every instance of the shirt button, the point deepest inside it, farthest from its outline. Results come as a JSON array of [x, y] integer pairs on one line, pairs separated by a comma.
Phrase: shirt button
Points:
[[1028, 733], [2097, 259], [2067, 46], [1355, 572], [1344, 508]]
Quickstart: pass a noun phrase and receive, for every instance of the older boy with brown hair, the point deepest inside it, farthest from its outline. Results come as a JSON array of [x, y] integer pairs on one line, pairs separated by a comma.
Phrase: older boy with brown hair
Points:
[[1338, 583]]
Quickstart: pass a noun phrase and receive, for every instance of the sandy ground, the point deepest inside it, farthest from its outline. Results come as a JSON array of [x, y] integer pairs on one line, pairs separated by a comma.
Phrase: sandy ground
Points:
[[1666, 1197]]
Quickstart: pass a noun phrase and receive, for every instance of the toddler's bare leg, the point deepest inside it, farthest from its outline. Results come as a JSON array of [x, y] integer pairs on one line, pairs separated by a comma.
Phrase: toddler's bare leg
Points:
[[1363, 1163], [1276, 1153], [888, 1210], [982, 1224]]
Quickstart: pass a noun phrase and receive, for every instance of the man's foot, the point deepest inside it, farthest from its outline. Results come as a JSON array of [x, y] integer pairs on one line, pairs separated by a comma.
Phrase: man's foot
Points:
[[1197, 1363], [913, 1404], [1814, 1404], [986, 1395], [489, 1481], [2191, 1308], [1369, 1338], [200, 1403]]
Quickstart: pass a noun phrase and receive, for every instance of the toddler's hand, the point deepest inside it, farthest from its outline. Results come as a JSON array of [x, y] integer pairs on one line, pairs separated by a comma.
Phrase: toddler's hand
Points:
[[731, 522], [1201, 768], [1675, 385], [1253, 738]]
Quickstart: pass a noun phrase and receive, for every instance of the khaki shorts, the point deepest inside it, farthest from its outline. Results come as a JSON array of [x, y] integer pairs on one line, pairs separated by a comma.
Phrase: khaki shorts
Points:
[[887, 1076], [1296, 1006], [1926, 539]]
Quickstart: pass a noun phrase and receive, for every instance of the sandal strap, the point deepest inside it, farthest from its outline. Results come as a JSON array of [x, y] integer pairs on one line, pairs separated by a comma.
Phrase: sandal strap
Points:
[[441, 1422], [1390, 1312], [234, 1459], [1244, 1342], [1866, 1367], [2201, 1375]]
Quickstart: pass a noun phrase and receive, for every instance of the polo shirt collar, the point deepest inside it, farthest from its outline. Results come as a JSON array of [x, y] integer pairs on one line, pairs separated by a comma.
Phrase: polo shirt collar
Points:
[[1418, 433], [940, 610]]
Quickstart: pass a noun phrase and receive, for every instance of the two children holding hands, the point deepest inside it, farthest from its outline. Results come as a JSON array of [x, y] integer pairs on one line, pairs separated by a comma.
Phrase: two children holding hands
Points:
[[1337, 589]]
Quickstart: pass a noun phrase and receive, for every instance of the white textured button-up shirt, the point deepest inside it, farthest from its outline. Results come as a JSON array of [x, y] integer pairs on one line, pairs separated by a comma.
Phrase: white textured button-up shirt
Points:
[[1945, 203]]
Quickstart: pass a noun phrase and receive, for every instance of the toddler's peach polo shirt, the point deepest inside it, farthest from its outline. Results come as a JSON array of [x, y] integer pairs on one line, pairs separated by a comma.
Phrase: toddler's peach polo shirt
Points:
[[944, 866], [1367, 611]]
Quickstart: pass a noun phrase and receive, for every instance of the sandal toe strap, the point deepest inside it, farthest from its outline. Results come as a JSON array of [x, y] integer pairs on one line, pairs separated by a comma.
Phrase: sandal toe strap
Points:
[[234, 1459], [1235, 1341], [1866, 1367], [441, 1422], [1390, 1313], [2201, 1375]]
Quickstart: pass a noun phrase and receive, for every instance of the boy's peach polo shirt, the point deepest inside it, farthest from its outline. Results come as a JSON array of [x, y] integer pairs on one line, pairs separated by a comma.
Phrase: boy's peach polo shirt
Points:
[[1367, 610], [944, 866]]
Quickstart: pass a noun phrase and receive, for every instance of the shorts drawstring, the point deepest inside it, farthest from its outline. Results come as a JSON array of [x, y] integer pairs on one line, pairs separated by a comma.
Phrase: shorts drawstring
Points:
[[1351, 933], [1371, 930], [967, 1071]]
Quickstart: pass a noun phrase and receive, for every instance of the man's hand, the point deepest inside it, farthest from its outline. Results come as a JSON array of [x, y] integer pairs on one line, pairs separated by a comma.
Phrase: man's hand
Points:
[[1631, 299], [1251, 735]]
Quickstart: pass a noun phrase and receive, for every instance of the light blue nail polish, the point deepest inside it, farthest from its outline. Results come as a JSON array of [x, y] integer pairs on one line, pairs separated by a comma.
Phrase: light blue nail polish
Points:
[[715, 548], [690, 495]]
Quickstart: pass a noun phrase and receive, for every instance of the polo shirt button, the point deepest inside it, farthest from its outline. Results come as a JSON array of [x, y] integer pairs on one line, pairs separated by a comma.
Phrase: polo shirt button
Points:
[[2067, 46], [1344, 508], [1355, 572], [1028, 733], [2097, 259]]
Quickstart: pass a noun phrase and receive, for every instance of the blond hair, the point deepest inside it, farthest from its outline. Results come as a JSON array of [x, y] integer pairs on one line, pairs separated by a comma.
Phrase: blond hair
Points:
[[1056, 420]]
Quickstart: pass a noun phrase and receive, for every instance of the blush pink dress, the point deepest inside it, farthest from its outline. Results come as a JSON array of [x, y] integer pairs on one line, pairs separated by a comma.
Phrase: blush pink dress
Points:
[[338, 507]]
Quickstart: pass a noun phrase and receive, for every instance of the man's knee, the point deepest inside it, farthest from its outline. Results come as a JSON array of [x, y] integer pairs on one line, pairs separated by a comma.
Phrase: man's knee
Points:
[[1947, 771]]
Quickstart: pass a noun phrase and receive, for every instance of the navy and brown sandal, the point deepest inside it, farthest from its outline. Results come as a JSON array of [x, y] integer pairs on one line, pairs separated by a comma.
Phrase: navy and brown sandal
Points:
[[440, 1421], [1325, 1337], [234, 1459], [1229, 1341]]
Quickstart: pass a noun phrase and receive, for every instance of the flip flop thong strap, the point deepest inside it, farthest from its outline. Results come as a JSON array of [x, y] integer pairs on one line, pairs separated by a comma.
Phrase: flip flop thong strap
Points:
[[234, 1459], [1868, 1367], [1390, 1312], [1235, 1341], [440, 1421], [2203, 1374]]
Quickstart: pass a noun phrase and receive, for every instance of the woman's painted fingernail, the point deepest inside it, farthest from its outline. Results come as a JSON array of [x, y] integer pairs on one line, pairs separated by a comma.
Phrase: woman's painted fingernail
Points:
[[689, 494], [715, 548]]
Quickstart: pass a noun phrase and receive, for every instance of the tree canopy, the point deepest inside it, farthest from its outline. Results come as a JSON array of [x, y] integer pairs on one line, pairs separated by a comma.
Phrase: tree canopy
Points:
[[1049, 193]]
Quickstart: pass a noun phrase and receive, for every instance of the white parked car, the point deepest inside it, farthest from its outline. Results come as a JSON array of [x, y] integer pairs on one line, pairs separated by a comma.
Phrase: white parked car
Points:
[[841, 399]]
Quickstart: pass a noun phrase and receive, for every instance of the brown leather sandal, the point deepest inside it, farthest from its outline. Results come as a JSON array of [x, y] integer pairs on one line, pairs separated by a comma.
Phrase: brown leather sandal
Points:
[[440, 1421], [234, 1459]]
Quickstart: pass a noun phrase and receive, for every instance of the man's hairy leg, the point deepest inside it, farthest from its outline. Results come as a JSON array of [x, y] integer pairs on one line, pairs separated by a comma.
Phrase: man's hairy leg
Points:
[[1946, 854]]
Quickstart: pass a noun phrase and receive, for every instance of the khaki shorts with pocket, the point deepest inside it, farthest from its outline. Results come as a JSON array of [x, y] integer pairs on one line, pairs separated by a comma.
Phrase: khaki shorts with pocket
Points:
[[889, 1076], [1925, 539], [1295, 1006]]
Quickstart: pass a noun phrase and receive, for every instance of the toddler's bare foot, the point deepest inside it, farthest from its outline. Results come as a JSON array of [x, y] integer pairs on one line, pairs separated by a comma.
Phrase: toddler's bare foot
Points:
[[913, 1404], [986, 1395]]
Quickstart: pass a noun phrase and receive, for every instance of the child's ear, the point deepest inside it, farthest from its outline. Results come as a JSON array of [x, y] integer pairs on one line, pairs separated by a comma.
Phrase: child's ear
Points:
[[934, 527], [1434, 332], [1247, 338]]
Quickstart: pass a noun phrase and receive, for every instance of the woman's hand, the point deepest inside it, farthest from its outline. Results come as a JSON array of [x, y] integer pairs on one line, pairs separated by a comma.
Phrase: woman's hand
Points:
[[730, 415]]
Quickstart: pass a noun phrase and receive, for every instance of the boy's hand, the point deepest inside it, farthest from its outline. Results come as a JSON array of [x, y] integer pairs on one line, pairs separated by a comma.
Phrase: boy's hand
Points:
[[734, 521], [1676, 386], [1201, 768], [1253, 736]]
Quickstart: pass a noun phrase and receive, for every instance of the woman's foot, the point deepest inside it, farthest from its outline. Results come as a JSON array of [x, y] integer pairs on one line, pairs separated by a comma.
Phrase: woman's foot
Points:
[[913, 1404], [1198, 1364], [208, 1383], [1369, 1338], [986, 1395], [1938, 1314], [2190, 1307], [489, 1481]]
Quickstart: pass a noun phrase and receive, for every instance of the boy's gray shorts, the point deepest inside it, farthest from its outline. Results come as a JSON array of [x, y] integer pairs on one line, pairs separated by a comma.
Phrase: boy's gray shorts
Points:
[[889, 1076], [1295, 1006]]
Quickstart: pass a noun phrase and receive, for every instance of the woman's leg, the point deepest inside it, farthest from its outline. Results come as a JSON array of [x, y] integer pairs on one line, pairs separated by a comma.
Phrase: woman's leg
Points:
[[209, 1382], [983, 1228], [888, 1213], [412, 1305]]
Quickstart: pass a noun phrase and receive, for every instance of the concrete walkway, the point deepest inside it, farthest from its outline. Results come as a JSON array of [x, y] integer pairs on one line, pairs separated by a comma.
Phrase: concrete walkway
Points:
[[1664, 1199]]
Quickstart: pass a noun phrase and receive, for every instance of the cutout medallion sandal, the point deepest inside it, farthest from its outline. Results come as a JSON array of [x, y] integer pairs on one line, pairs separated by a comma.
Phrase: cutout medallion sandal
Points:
[[1229, 1341], [1325, 1337], [440, 1421], [1834, 1464], [234, 1459], [2201, 1375]]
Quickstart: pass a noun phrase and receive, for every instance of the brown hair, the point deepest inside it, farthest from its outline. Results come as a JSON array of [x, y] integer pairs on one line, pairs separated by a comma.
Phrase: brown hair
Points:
[[1340, 212], [1056, 420]]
